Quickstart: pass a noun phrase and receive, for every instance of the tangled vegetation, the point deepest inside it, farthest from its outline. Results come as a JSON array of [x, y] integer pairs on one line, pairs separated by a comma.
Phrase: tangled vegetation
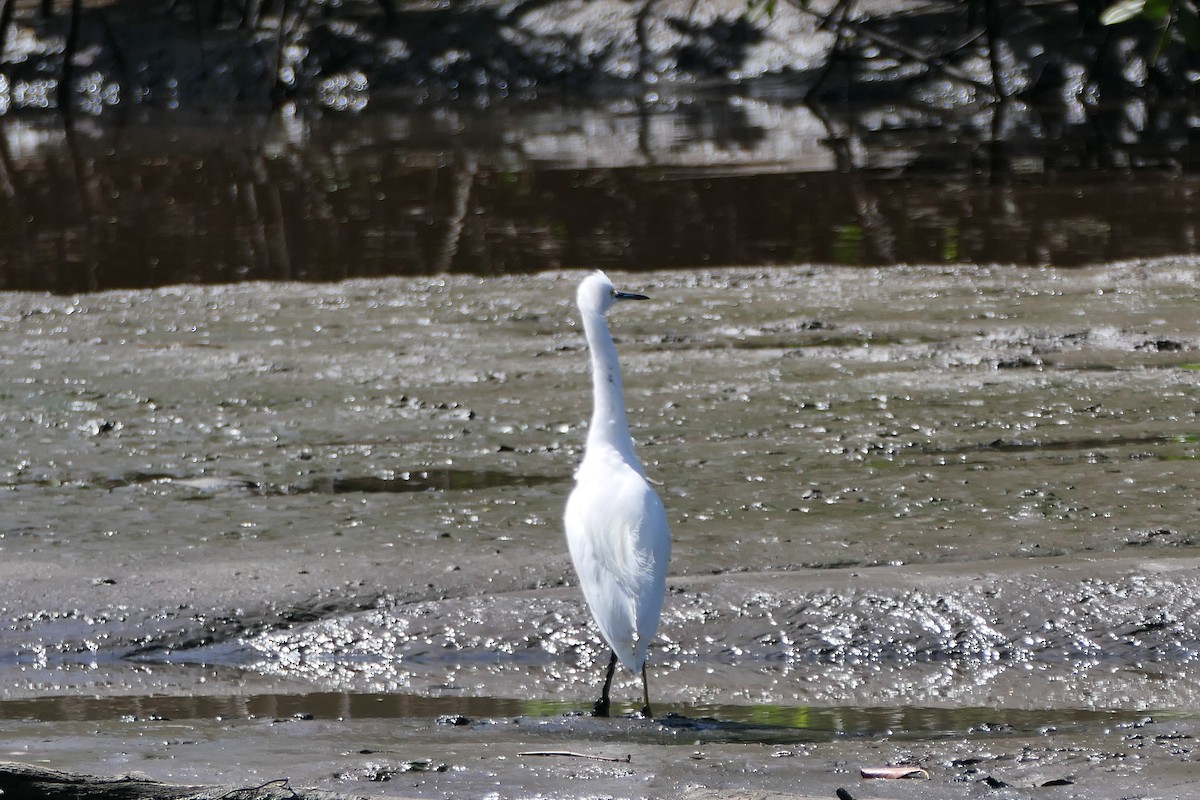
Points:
[[340, 51]]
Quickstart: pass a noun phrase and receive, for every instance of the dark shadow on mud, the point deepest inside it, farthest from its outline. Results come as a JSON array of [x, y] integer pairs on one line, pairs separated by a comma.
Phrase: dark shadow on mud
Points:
[[399, 482], [423, 480], [1068, 445]]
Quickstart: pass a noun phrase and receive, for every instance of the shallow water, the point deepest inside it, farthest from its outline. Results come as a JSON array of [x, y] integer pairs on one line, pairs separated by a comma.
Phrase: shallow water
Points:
[[143, 199], [920, 514]]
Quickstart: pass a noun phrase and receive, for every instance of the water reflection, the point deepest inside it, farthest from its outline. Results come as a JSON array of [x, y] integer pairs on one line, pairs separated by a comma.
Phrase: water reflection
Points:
[[712, 723], [155, 198]]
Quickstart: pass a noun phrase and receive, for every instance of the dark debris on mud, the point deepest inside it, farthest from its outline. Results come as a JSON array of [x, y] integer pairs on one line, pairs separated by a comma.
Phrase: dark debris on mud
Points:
[[28, 782]]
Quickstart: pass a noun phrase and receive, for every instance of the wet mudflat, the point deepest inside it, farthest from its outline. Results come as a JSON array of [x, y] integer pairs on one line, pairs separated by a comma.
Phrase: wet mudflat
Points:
[[922, 515]]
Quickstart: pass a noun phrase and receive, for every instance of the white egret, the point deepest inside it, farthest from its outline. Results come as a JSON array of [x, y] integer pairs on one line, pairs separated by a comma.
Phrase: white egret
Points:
[[616, 527]]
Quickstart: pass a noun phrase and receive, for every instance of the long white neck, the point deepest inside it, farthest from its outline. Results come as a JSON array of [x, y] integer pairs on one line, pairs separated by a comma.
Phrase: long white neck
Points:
[[609, 428]]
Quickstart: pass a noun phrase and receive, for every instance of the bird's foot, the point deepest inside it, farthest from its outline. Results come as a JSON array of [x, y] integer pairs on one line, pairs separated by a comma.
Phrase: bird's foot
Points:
[[601, 708], [646, 713]]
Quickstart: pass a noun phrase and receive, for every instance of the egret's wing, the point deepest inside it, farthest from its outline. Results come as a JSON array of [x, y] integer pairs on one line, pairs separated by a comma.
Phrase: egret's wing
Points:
[[618, 538], [653, 545]]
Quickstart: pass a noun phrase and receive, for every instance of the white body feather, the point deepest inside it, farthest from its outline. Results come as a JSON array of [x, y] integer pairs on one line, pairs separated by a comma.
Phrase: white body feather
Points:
[[616, 526]]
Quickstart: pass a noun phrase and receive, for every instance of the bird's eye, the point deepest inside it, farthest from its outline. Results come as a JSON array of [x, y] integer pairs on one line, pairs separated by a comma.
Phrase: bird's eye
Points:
[[612, 292]]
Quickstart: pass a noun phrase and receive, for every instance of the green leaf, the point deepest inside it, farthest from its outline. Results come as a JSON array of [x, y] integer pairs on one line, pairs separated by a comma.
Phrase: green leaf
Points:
[[1122, 11], [1163, 38], [757, 9], [1156, 10]]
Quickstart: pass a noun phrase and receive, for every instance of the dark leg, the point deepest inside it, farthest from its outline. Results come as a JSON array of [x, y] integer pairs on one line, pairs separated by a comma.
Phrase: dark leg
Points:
[[601, 707], [646, 695]]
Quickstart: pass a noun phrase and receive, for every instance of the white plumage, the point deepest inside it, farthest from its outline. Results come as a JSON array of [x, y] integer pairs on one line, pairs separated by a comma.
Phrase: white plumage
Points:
[[616, 527]]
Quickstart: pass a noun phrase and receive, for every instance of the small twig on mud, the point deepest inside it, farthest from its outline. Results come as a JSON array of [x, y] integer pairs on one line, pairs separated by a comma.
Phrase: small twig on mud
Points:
[[570, 754], [894, 773]]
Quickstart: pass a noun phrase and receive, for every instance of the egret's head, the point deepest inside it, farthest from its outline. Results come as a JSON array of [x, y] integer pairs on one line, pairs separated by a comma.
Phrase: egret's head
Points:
[[596, 294]]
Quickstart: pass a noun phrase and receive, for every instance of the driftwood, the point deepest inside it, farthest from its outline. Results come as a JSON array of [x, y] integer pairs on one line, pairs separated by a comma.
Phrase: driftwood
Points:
[[573, 754], [894, 773], [27, 782]]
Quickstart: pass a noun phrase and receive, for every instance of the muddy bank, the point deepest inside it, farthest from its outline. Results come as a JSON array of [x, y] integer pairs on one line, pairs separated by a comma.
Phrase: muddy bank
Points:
[[302, 442], [924, 490], [324, 449], [1074, 756]]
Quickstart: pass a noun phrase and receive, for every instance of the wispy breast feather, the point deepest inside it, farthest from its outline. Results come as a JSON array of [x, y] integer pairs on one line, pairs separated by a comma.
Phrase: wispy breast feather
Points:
[[609, 529]]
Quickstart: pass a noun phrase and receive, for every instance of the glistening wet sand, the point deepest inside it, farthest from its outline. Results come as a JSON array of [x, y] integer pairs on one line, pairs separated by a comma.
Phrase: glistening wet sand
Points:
[[921, 515]]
